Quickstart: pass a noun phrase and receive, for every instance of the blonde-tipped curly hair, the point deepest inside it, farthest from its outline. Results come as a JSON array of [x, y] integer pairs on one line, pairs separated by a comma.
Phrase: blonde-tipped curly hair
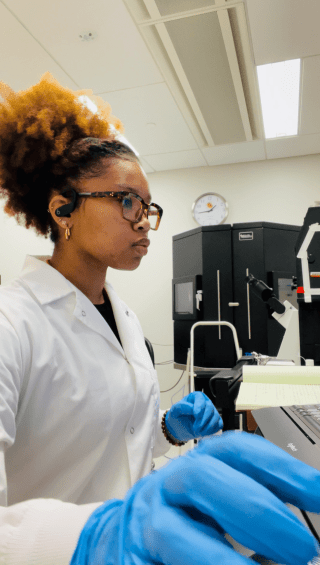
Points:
[[48, 141]]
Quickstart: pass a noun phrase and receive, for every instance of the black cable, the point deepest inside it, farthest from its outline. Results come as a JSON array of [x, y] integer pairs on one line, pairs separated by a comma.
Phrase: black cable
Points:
[[173, 385], [167, 363]]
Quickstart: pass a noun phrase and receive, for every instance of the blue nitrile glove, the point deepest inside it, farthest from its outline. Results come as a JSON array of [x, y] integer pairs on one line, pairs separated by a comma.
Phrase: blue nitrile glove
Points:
[[235, 483], [192, 417]]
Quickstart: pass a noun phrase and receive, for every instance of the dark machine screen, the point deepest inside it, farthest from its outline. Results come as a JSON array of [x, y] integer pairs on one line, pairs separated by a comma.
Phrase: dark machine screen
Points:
[[184, 298]]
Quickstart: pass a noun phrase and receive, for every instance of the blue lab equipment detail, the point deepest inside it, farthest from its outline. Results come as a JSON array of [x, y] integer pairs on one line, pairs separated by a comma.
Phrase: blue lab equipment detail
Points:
[[235, 483], [193, 417]]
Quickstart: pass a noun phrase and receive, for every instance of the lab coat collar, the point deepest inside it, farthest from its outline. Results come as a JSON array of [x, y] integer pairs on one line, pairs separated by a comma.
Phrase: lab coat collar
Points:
[[48, 285]]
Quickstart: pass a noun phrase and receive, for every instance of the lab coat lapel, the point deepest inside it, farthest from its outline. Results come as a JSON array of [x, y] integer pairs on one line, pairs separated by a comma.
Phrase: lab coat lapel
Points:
[[124, 321], [50, 285], [87, 313]]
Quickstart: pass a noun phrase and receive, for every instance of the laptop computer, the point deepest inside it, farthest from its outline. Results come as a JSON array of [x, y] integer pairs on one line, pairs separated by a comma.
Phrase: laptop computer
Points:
[[296, 429]]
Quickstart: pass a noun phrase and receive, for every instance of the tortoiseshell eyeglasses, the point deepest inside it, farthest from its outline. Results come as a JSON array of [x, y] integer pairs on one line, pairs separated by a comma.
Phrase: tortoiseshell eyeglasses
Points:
[[133, 206]]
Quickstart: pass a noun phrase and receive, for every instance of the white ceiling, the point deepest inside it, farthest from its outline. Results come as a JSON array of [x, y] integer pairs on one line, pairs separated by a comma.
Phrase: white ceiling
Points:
[[180, 75]]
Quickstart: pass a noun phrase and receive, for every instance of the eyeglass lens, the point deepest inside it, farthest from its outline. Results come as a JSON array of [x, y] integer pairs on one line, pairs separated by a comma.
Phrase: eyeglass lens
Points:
[[132, 211]]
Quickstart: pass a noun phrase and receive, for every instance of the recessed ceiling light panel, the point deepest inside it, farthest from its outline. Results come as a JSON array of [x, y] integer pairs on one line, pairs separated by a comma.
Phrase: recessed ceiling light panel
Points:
[[279, 85]]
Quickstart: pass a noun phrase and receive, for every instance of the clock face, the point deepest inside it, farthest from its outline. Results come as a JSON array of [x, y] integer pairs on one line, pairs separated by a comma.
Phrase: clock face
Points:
[[210, 209]]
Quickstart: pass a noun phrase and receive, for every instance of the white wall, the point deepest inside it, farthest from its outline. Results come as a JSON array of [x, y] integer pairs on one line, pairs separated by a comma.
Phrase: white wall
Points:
[[280, 190]]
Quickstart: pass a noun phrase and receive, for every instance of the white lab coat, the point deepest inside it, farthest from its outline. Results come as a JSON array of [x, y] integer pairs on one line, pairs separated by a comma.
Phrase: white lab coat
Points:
[[79, 415]]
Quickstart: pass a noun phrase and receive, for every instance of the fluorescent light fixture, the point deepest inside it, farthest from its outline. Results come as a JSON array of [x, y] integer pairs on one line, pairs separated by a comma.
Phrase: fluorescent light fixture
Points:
[[279, 91]]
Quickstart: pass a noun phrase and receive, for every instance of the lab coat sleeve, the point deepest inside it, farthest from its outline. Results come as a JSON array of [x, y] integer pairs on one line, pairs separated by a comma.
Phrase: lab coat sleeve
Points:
[[38, 531], [3, 478], [41, 531], [11, 371]]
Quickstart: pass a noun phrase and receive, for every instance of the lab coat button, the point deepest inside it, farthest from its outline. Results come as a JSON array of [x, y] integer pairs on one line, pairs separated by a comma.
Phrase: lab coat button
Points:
[[127, 312], [83, 313], [132, 431], [153, 465]]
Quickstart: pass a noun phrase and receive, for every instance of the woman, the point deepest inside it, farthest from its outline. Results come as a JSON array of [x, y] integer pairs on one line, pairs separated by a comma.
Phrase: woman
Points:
[[79, 397]]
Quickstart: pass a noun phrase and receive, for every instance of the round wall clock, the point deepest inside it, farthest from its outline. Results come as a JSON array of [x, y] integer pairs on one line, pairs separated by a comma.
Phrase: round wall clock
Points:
[[210, 209]]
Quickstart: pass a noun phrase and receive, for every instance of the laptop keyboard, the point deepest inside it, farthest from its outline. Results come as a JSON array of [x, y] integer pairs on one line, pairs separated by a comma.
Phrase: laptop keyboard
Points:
[[309, 414]]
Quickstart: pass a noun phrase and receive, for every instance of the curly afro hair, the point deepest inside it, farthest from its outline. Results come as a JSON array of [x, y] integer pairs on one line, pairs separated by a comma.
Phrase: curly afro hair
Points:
[[50, 138]]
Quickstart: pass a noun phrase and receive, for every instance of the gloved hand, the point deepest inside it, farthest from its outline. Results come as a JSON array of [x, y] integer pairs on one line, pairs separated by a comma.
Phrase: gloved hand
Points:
[[235, 483], [193, 417]]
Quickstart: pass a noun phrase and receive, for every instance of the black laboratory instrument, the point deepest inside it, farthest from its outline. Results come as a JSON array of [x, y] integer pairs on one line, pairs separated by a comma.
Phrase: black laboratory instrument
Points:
[[210, 267], [260, 289], [308, 285], [223, 387], [210, 264]]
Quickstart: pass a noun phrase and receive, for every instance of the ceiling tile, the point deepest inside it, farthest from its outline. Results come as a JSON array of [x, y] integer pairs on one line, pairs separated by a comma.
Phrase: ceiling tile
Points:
[[117, 58], [310, 96], [284, 30], [152, 120], [176, 160], [23, 61], [292, 146], [146, 167], [235, 153]]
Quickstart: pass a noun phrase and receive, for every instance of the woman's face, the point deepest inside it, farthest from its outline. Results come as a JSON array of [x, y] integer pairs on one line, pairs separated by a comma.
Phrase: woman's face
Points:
[[99, 232]]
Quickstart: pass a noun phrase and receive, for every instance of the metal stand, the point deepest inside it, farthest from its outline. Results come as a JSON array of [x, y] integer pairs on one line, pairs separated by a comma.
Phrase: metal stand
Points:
[[221, 386]]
